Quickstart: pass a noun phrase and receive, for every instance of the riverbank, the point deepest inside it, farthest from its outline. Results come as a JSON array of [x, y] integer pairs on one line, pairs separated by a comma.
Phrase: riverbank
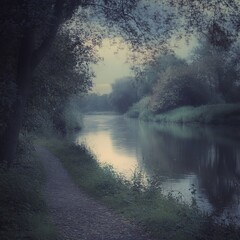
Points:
[[165, 217], [225, 114], [75, 214], [23, 213]]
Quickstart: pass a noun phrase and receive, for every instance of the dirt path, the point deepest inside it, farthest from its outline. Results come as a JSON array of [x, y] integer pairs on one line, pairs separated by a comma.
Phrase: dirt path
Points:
[[76, 215]]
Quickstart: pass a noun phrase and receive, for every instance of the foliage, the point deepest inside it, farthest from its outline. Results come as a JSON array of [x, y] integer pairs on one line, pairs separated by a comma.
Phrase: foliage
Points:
[[29, 29], [54, 86], [221, 27], [22, 209], [95, 103], [210, 76], [179, 87], [206, 114], [7, 97], [139, 107], [71, 116], [147, 78], [124, 94], [216, 66]]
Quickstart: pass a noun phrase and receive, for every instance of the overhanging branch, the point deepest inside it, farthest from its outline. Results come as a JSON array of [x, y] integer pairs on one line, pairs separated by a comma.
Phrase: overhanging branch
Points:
[[39, 53]]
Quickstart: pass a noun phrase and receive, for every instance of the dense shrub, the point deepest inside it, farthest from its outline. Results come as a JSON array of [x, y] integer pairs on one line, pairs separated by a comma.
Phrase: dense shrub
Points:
[[148, 77], [179, 87], [124, 94], [138, 108]]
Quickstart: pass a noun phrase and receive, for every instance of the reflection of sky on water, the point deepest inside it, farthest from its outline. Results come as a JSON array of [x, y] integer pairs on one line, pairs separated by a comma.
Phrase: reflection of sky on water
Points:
[[123, 160], [208, 157]]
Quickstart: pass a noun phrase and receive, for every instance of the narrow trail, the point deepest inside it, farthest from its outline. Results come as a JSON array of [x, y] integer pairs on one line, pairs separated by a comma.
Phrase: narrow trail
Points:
[[76, 215]]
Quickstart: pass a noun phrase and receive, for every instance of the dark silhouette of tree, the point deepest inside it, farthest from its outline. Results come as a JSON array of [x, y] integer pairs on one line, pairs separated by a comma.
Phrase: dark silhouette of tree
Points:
[[28, 29]]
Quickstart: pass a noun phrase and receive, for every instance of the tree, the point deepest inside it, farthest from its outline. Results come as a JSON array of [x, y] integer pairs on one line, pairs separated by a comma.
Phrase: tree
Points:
[[180, 87], [95, 103], [214, 65], [147, 78], [123, 94], [30, 19], [217, 20], [53, 85], [29, 28]]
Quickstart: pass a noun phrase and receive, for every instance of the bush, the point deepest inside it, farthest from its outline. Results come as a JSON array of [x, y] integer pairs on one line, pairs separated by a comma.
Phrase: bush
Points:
[[39, 122], [178, 87], [72, 117], [138, 107]]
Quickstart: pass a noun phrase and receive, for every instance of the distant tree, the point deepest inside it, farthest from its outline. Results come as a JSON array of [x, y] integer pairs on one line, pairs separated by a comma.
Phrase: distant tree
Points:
[[124, 94], [147, 78], [216, 65]]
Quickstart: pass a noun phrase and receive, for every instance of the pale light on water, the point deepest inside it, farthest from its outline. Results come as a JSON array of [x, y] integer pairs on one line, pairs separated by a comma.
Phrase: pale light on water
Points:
[[102, 146], [205, 159]]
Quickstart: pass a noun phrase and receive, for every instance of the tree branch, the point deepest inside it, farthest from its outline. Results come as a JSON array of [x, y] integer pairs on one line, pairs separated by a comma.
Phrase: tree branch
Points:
[[120, 11], [39, 53]]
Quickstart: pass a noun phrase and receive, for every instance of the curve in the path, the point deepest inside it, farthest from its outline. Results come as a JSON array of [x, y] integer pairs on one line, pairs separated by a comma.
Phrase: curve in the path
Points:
[[76, 215]]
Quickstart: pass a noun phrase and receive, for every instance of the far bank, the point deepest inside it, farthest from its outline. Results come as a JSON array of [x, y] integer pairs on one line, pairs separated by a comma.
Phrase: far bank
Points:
[[217, 114]]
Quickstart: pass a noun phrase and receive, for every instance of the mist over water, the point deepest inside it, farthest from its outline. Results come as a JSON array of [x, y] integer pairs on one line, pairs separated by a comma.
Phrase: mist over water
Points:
[[186, 157]]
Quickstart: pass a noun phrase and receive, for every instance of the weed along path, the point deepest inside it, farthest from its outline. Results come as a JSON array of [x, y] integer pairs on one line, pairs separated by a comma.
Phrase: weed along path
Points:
[[76, 215]]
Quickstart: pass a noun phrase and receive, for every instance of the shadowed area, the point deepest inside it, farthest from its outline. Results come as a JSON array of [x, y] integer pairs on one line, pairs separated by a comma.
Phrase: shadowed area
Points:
[[76, 215]]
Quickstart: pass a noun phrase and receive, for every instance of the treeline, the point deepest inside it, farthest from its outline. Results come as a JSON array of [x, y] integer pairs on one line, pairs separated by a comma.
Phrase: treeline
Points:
[[95, 103], [209, 76]]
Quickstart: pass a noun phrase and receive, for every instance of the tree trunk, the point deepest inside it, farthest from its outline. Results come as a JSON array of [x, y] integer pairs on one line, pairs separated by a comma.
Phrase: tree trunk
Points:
[[23, 83], [29, 59]]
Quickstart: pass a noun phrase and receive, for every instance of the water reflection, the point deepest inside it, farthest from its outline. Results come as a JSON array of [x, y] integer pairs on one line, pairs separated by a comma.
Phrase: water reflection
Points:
[[208, 157]]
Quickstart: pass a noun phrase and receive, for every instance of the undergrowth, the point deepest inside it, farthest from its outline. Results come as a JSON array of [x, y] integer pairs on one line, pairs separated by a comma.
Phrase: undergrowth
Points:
[[140, 199], [206, 114], [23, 214]]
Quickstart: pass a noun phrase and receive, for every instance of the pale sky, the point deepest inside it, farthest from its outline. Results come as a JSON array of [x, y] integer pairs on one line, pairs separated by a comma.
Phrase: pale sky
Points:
[[114, 65]]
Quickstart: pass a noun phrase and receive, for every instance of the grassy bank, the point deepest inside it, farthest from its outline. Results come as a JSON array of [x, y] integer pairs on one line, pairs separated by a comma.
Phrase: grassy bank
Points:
[[165, 217], [206, 114], [23, 214]]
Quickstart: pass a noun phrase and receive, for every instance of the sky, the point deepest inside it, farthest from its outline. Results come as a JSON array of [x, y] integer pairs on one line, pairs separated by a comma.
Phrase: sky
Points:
[[114, 65]]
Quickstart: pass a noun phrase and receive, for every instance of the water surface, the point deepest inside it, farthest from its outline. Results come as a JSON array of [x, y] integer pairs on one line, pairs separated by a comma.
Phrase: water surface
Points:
[[198, 157]]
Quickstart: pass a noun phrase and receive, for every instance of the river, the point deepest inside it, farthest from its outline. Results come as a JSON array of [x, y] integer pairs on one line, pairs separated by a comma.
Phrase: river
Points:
[[205, 159]]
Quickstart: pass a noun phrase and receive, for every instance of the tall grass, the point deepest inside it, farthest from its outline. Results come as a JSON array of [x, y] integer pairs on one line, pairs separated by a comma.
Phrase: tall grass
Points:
[[206, 114], [141, 199], [23, 214]]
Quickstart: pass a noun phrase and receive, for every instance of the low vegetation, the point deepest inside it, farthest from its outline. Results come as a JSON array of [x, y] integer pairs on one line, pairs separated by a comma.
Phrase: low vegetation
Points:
[[22, 209], [140, 199], [206, 114]]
